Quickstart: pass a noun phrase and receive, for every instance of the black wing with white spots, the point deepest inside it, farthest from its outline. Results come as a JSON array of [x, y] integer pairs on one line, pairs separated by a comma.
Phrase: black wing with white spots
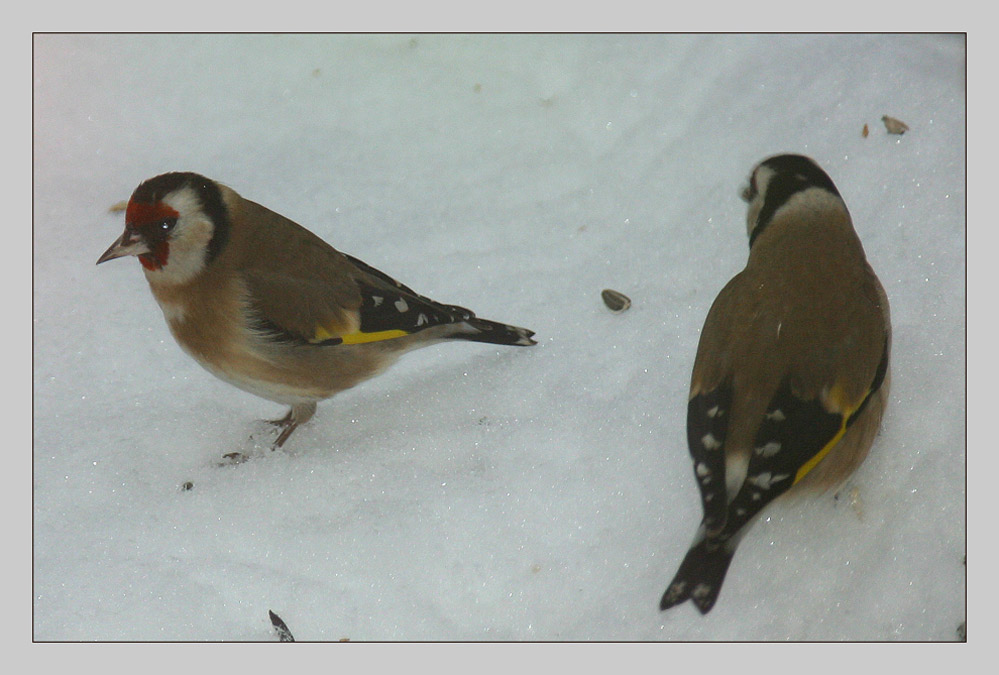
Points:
[[387, 305], [707, 428], [793, 434], [390, 309], [792, 437]]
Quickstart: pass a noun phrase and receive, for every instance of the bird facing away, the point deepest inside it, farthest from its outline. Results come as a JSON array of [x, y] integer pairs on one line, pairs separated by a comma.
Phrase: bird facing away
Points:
[[269, 307], [791, 375]]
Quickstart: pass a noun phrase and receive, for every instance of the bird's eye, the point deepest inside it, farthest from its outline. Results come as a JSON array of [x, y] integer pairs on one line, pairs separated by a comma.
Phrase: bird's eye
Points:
[[167, 224]]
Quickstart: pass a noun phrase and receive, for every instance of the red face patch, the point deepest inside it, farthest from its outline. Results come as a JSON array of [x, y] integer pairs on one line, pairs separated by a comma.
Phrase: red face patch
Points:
[[157, 258], [138, 214], [152, 221]]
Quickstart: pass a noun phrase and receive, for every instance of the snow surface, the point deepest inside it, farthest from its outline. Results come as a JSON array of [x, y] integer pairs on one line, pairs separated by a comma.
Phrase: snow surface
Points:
[[474, 492]]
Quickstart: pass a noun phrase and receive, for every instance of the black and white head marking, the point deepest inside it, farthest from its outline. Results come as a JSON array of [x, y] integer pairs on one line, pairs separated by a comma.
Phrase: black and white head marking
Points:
[[774, 182], [200, 221]]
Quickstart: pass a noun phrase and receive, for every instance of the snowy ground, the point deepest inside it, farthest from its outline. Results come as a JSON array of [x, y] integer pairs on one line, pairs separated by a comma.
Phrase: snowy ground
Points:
[[472, 492]]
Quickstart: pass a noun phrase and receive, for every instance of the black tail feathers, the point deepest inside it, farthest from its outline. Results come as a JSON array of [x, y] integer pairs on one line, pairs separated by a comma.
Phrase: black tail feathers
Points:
[[700, 576], [495, 333]]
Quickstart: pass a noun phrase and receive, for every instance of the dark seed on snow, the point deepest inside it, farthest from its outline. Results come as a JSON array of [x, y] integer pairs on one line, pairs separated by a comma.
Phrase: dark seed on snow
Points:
[[615, 300]]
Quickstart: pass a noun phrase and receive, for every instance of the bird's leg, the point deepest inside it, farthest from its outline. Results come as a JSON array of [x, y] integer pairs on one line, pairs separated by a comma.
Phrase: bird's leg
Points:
[[284, 421], [286, 430], [297, 414]]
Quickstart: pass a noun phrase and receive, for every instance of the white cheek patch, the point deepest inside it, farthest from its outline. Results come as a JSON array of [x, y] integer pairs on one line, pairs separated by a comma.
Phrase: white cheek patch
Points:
[[188, 247], [183, 201], [812, 200], [761, 177], [188, 243]]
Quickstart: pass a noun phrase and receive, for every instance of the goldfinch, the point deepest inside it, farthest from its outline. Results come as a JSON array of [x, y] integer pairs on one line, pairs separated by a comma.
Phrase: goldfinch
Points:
[[791, 375], [269, 307]]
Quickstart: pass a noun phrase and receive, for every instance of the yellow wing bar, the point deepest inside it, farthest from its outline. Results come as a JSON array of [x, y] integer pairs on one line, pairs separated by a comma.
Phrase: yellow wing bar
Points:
[[837, 400], [361, 338], [810, 464], [357, 337]]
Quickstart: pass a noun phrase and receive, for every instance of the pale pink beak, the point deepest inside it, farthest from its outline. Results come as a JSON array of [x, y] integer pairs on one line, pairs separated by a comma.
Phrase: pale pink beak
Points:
[[128, 243]]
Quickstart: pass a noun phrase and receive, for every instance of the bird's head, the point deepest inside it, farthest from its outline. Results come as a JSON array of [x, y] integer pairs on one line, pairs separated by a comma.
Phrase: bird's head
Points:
[[778, 181], [176, 224]]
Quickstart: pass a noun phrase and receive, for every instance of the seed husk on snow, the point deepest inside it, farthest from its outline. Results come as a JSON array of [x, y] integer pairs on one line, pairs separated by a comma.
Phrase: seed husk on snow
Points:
[[895, 126], [615, 300]]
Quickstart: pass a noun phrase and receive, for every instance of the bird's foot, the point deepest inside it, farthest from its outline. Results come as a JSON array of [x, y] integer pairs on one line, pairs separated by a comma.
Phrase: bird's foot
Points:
[[286, 425], [259, 443], [297, 414], [284, 421]]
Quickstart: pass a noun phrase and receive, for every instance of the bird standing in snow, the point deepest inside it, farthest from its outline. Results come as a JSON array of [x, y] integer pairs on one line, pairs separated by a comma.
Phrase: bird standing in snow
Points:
[[791, 375], [269, 307]]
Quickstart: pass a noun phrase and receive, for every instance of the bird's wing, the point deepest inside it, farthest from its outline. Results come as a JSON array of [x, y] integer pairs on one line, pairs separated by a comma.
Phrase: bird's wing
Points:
[[807, 407], [708, 413], [308, 292], [793, 437]]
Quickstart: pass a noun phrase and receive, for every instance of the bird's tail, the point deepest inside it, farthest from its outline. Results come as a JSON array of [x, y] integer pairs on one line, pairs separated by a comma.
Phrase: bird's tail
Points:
[[701, 573], [484, 330]]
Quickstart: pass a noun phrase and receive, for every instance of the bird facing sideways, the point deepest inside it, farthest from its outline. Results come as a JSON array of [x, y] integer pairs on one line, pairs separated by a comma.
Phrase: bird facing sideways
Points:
[[269, 307], [791, 375]]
